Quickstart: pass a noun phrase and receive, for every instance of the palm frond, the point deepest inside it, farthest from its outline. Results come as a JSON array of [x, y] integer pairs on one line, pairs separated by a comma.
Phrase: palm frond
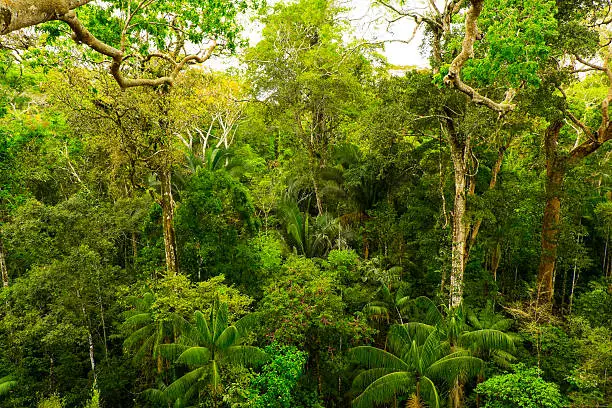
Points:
[[172, 351], [138, 337], [137, 320], [384, 389], [433, 316], [203, 329], [486, 340], [244, 355], [7, 384], [373, 357], [180, 387], [367, 377], [195, 356], [429, 393], [220, 320], [448, 369], [227, 338], [245, 323]]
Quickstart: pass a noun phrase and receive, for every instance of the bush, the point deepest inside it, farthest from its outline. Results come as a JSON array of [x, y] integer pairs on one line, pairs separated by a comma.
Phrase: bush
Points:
[[524, 388]]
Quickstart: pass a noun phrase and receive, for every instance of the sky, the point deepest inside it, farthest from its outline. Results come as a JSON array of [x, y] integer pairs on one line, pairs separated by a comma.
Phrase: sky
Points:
[[369, 24]]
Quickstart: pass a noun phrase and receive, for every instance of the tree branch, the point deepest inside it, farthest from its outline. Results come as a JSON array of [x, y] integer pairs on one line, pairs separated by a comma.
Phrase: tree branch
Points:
[[17, 14], [83, 35], [453, 78]]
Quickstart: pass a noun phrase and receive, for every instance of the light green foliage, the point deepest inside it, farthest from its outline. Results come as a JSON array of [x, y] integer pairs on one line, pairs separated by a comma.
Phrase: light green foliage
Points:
[[6, 384], [524, 388], [53, 401], [277, 381], [516, 44]]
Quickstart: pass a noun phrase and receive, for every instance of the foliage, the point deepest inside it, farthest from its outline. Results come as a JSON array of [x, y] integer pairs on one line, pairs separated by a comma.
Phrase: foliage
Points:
[[274, 387], [523, 388]]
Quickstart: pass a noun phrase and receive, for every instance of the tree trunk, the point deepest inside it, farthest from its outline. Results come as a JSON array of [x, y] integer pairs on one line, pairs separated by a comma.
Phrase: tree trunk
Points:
[[17, 14], [458, 153], [555, 174], [3, 269], [167, 204]]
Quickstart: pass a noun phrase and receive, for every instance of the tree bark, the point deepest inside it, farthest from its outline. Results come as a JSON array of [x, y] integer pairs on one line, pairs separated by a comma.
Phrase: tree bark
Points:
[[555, 174], [17, 14], [459, 238], [3, 269], [167, 205]]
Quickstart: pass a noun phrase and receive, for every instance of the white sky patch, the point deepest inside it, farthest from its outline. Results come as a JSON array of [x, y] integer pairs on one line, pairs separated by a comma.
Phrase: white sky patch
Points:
[[368, 23]]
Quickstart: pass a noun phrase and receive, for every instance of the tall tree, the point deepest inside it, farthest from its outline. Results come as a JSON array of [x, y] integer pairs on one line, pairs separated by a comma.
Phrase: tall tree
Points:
[[500, 53]]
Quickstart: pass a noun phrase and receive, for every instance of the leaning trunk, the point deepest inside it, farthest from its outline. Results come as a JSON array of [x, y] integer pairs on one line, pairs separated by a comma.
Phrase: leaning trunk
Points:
[[555, 173], [167, 204]]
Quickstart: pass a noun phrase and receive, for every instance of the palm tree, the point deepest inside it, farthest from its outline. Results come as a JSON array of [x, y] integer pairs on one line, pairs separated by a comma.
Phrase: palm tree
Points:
[[458, 335], [6, 384], [389, 307], [207, 346], [411, 368], [147, 332]]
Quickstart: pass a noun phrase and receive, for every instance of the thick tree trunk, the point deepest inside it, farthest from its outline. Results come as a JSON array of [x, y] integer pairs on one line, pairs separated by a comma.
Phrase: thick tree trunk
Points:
[[17, 14], [167, 204], [459, 228], [555, 174], [3, 269]]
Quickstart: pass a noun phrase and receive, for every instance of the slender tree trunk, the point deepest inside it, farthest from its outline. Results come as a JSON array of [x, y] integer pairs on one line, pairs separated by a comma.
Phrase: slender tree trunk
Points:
[[555, 174], [458, 153], [3, 269], [167, 204]]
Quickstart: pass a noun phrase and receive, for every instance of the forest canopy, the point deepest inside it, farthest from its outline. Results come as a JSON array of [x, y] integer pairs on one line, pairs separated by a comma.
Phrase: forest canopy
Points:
[[249, 204]]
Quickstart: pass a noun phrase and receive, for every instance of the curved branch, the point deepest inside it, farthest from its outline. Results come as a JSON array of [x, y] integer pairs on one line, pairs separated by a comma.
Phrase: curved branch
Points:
[[83, 35], [453, 78], [17, 14]]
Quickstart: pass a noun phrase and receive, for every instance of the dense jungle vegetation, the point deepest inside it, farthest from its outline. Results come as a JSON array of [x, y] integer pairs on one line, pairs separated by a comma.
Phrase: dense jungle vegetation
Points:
[[307, 225]]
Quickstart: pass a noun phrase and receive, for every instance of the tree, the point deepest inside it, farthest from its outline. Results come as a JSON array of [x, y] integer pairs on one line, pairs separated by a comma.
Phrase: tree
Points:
[[206, 347], [411, 369], [494, 51], [136, 32], [309, 79]]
